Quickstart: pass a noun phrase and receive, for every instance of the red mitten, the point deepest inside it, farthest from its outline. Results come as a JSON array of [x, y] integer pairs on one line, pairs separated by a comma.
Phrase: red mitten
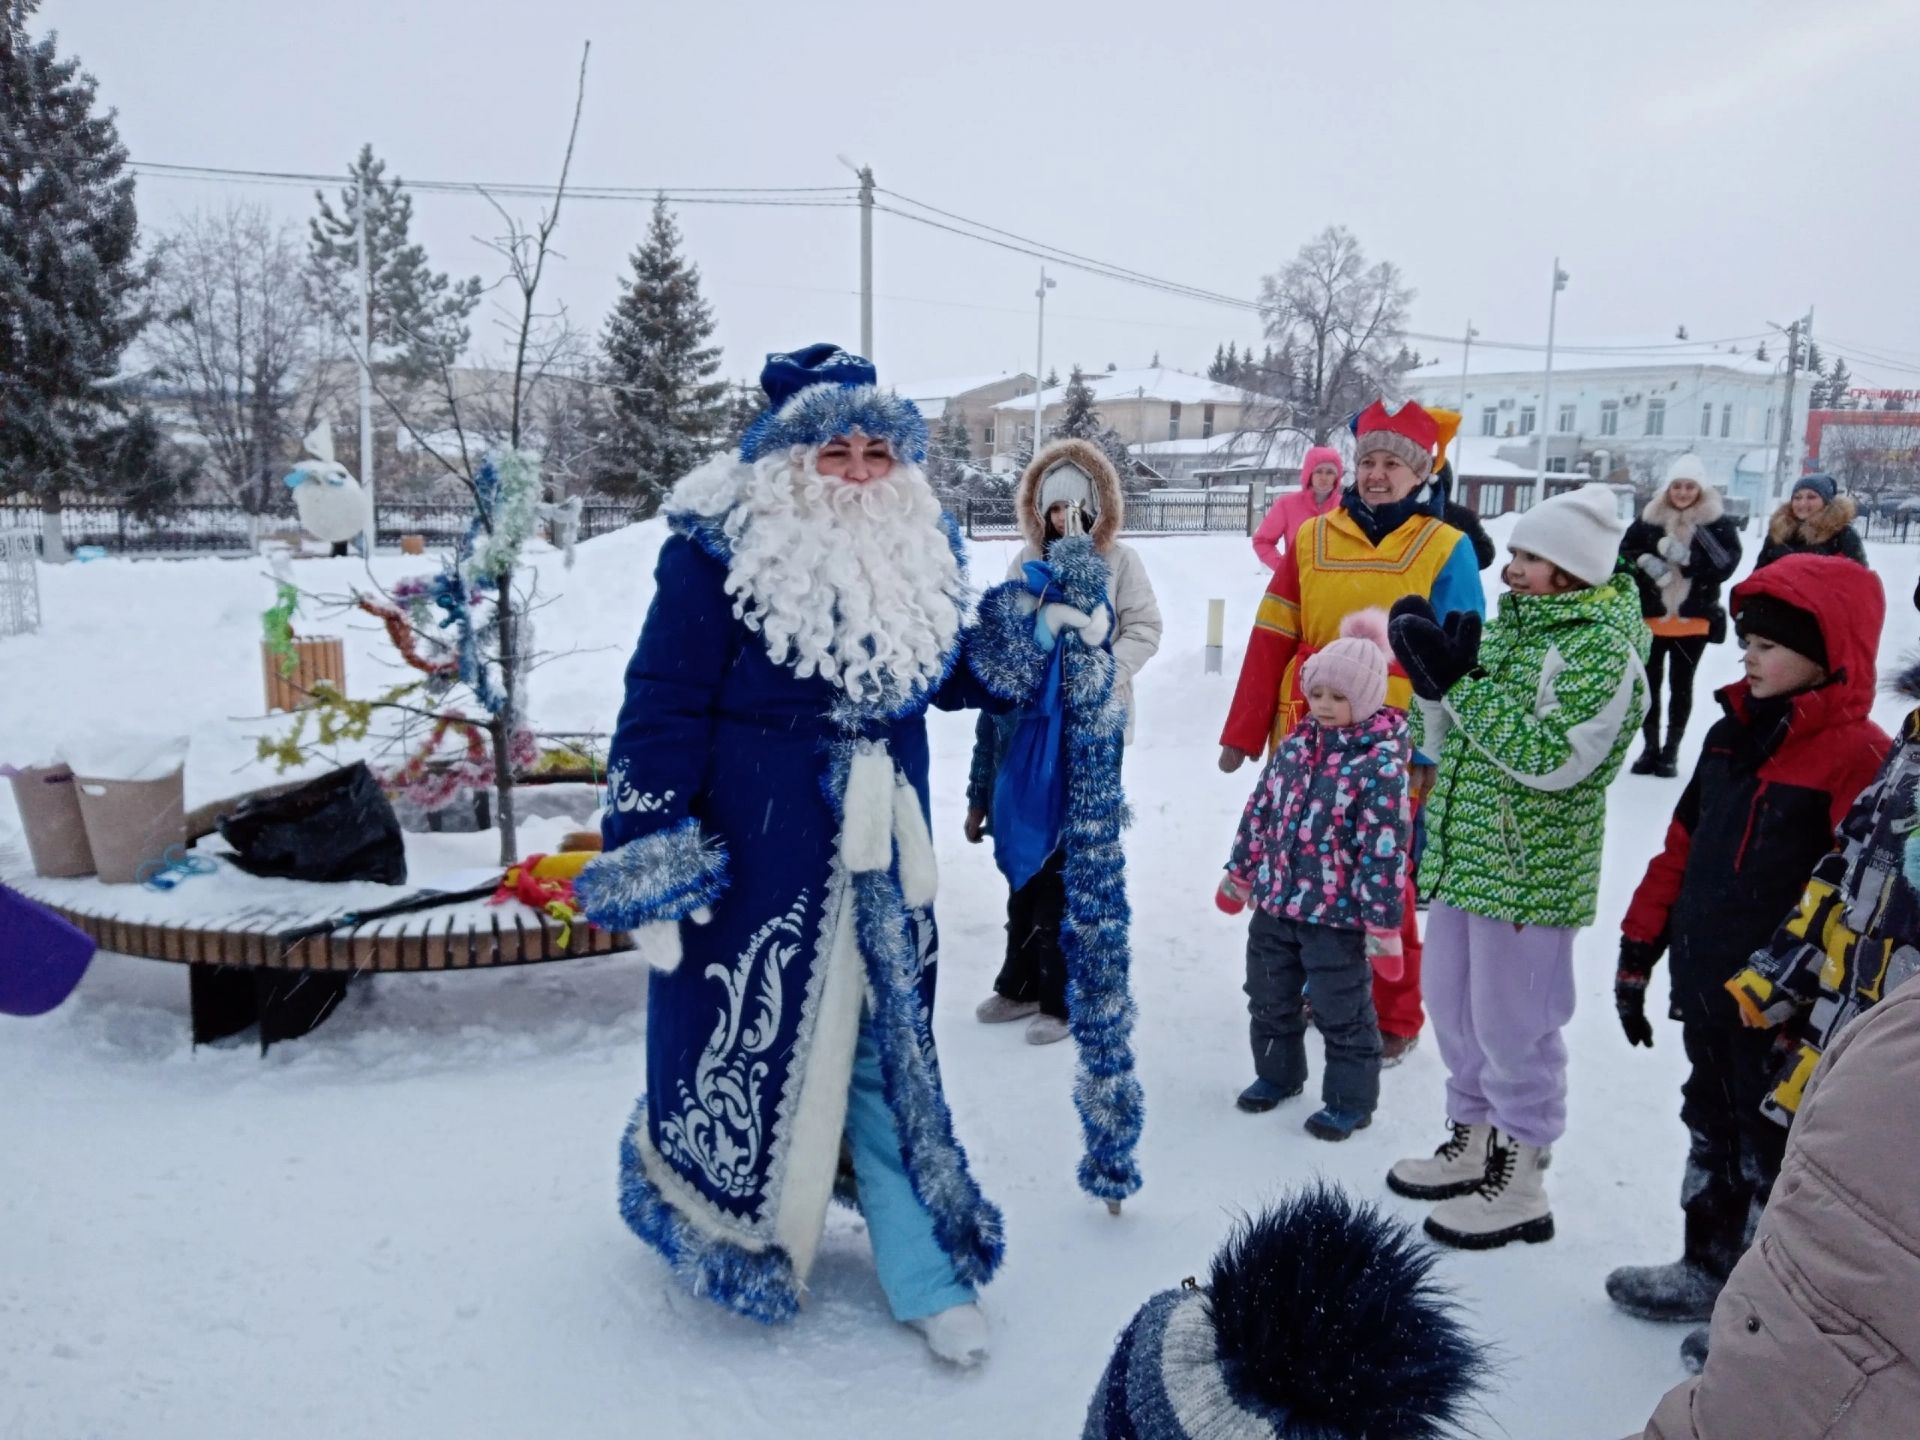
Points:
[[1232, 894], [1385, 953]]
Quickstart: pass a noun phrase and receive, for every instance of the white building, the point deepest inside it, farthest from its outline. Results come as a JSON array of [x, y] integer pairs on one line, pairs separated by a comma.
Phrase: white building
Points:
[[1622, 409], [1143, 405]]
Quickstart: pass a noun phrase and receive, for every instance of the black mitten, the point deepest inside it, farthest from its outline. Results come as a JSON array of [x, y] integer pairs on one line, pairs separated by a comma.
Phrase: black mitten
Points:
[[1434, 656], [1637, 959]]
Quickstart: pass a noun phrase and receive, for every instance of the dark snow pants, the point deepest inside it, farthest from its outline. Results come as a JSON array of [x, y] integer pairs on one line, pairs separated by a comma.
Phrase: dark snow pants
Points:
[[1036, 968], [1734, 1152], [1283, 956]]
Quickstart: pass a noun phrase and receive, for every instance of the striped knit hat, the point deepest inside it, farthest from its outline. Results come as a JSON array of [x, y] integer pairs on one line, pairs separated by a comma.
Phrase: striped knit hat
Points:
[[1319, 1321]]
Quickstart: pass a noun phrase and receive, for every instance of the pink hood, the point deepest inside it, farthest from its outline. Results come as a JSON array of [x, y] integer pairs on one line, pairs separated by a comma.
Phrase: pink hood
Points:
[[1294, 509]]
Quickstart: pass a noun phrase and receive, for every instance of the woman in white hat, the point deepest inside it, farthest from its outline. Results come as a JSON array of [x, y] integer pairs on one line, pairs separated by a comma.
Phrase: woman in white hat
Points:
[[1683, 548]]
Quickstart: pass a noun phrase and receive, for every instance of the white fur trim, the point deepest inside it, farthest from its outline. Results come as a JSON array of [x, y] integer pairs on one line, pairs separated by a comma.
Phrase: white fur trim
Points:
[[919, 871], [866, 811], [658, 945], [820, 1117]]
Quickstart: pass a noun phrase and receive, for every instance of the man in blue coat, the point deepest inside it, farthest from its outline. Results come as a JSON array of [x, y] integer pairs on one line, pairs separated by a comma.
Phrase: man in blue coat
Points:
[[767, 846]]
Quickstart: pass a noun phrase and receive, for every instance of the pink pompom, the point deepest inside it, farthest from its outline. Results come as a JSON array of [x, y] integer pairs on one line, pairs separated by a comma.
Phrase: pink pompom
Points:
[[1368, 624]]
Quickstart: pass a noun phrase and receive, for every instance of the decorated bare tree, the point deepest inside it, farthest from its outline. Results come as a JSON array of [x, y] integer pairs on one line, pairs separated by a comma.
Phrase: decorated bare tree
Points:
[[465, 629]]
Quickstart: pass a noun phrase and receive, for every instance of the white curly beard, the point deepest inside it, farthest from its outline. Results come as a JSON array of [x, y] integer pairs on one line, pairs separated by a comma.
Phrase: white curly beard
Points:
[[852, 581]]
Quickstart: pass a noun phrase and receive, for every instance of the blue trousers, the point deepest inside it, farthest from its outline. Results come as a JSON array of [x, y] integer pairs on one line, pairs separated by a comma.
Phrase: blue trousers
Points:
[[914, 1271]]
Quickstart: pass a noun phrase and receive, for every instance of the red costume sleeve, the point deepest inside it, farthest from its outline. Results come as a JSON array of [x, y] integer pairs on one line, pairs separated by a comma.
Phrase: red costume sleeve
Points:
[[1276, 636]]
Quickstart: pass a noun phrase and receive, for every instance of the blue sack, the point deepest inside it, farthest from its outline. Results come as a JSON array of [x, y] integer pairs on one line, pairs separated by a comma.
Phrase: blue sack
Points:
[[1030, 791]]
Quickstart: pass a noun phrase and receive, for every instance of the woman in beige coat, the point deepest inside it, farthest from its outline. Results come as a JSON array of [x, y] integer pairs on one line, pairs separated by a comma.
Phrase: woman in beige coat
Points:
[[1817, 1333], [1070, 488]]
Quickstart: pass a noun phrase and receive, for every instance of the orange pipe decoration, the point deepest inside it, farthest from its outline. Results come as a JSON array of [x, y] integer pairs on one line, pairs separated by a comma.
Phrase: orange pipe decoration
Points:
[[400, 632]]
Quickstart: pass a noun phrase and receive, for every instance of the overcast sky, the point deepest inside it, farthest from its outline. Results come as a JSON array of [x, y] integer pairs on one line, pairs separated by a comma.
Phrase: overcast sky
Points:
[[1717, 165]]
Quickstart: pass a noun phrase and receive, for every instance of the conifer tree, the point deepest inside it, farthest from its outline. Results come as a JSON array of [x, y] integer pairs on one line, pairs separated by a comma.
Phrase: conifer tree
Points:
[[665, 408], [1079, 421], [418, 315], [73, 289]]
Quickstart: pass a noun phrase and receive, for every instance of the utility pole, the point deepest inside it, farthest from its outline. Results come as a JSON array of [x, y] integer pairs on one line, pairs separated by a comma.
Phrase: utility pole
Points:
[[866, 261], [1466, 350], [1560, 278], [1040, 357], [364, 264], [1794, 332]]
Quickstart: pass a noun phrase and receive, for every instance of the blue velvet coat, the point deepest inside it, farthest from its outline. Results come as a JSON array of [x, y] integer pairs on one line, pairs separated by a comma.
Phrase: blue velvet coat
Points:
[[727, 780]]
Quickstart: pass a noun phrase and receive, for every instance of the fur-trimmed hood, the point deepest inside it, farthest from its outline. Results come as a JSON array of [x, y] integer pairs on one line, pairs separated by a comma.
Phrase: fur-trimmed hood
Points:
[[1110, 503], [1839, 513], [1704, 511]]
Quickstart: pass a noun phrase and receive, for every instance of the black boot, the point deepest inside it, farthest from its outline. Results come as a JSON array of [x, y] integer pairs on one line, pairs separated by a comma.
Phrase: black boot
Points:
[[1649, 760], [1668, 765]]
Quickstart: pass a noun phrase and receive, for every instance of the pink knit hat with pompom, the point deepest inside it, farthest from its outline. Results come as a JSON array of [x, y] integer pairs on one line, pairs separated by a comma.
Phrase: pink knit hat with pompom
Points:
[[1355, 665]]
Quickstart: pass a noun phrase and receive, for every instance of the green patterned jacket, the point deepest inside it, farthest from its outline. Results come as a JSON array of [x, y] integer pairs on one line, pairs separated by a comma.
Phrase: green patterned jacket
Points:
[[1531, 740]]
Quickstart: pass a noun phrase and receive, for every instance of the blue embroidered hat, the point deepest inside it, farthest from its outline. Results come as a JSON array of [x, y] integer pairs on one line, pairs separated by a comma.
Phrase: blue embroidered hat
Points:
[[822, 391]]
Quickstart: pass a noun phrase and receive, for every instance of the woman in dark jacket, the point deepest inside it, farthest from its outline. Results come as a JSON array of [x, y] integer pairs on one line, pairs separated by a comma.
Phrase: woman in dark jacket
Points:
[[1683, 548], [1816, 520]]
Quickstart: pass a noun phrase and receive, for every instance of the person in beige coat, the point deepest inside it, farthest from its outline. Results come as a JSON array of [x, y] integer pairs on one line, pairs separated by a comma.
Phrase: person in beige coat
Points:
[[1070, 488], [1817, 1333]]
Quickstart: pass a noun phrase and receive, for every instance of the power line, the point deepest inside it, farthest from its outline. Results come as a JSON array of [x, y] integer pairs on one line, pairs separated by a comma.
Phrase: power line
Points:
[[831, 196]]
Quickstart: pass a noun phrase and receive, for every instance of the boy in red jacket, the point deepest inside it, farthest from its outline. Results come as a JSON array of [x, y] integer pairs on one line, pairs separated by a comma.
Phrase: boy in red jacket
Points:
[[1775, 776]]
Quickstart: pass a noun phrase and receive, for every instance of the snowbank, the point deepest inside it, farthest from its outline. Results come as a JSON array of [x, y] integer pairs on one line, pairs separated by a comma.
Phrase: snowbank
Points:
[[406, 1224]]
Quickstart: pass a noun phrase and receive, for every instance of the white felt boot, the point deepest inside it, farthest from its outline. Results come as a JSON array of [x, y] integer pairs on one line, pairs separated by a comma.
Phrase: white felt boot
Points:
[[957, 1335]]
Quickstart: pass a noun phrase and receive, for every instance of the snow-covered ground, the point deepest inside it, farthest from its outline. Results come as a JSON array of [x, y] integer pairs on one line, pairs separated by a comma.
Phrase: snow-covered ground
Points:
[[405, 1225]]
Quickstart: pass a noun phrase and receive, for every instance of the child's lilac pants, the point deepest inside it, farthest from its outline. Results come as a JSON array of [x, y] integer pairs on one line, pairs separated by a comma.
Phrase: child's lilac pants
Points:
[[1498, 996]]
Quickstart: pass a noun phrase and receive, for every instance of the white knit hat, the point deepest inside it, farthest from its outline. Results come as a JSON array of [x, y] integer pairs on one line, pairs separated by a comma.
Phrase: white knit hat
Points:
[[1687, 467], [1065, 482], [1578, 531]]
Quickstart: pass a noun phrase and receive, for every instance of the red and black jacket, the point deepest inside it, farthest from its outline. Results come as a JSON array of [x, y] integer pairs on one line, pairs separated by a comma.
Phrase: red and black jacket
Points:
[[1773, 781]]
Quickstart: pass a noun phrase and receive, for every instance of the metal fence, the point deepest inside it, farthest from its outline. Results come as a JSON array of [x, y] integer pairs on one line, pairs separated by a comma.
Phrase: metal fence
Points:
[[1894, 526], [230, 530], [1221, 512]]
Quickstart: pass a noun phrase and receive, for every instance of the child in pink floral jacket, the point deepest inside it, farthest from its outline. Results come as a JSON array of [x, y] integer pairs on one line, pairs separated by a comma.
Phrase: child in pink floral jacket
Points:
[[1322, 855]]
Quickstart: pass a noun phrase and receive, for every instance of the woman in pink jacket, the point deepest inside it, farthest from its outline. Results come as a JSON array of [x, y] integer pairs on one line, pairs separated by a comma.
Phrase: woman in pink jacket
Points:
[[1319, 492]]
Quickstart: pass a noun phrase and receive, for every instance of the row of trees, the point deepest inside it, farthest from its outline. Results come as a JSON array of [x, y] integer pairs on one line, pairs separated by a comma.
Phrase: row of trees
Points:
[[234, 327], [256, 340], [248, 332]]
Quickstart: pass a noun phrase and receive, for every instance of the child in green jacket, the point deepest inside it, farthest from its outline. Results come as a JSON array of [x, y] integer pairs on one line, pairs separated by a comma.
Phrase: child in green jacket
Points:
[[1535, 723]]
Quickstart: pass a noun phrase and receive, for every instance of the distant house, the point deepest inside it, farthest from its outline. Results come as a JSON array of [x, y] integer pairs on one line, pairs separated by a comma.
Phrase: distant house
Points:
[[970, 399], [1144, 406], [1631, 408]]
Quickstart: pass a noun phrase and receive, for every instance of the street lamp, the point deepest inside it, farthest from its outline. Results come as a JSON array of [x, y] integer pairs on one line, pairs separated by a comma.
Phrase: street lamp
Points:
[[1466, 349], [1560, 278], [1040, 356]]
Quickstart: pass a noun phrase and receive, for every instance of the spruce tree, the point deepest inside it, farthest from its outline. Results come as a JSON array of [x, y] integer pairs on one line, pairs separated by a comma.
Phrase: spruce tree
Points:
[[72, 289], [1218, 370], [1839, 381], [949, 456], [1080, 421], [665, 407], [418, 316]]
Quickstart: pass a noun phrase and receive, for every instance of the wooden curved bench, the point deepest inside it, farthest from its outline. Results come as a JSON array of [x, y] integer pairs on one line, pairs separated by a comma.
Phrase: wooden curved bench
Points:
[[250, 937]]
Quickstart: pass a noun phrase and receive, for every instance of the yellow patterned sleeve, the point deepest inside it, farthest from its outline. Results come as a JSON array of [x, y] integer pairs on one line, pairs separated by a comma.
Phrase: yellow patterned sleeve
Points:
[[1279, 615]]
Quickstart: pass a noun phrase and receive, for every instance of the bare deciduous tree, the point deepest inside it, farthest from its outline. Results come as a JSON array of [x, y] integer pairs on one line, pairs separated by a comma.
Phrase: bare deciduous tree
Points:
[[242, 340], [1339, 321]]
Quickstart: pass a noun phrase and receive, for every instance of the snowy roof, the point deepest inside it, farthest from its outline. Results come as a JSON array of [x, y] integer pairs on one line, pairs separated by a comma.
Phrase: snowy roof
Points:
[[1156, 384], [1443, 368], [921, 392]]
